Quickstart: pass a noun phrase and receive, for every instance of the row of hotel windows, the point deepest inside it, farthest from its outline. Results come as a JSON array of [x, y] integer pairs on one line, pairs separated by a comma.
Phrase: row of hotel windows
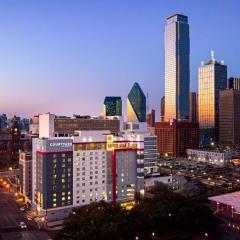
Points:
[[91, 183], [89, 146], [91, 158], [78, 174], [90, 153]]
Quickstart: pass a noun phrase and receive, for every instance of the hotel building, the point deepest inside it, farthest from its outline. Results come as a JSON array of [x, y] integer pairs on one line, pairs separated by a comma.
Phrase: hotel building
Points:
[[87, 167]]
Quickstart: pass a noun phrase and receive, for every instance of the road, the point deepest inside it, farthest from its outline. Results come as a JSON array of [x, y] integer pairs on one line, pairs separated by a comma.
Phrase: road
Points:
[[11, 216]]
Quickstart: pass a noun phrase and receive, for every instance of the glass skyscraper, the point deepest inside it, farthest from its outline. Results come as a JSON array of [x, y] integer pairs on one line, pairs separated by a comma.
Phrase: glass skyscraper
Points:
[[177, 73], [113, 106], [136, 104], [212, 77]]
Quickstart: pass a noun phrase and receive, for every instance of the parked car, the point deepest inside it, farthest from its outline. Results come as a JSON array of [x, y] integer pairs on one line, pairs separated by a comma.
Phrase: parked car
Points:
[[22, 208], [23, 225]]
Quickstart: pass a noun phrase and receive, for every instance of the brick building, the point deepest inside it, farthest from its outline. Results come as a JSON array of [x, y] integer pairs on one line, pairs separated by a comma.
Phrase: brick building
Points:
[[174, 138]]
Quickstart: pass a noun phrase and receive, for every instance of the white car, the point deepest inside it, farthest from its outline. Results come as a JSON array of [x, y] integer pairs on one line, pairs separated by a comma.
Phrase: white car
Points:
[[23, 225], [22, 208]]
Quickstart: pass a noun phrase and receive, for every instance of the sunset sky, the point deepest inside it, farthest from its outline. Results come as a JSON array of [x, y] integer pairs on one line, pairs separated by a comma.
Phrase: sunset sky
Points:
[[64, 57]]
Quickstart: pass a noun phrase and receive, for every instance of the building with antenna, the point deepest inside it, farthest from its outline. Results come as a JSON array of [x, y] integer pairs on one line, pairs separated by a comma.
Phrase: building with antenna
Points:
[[212, 78]]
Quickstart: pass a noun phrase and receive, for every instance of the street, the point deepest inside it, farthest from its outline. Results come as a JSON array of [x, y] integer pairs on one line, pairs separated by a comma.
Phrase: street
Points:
[[11, 216]]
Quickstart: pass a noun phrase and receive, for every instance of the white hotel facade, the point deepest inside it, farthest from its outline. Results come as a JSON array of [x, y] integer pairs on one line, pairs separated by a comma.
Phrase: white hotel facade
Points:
[[90, 166]]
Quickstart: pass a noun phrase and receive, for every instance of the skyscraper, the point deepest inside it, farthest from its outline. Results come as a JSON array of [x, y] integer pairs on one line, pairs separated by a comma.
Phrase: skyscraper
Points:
[[229, 117], [193, 114], [162, 109], [212, 77], [136, 104], [177, 73], [112, 106], [234, 83]]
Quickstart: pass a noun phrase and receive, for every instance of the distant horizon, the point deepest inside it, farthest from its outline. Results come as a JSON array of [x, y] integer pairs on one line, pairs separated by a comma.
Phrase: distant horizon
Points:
[[65, 58]]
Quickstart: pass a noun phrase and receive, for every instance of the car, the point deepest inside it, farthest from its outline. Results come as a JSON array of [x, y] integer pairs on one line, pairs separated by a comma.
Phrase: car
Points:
[[29, 218], [22, 208], [23, 225]]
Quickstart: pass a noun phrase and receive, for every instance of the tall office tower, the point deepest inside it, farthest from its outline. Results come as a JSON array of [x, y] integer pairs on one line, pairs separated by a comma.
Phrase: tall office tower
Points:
[[151, 118], [193, 114], [177, 72], [229, 117], [136, 104], [234, 83], [112, 106], [162, 109], [212, 77]]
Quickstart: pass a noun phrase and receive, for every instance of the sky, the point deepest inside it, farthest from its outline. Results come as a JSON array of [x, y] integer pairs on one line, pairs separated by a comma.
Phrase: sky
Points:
[[64, 56]]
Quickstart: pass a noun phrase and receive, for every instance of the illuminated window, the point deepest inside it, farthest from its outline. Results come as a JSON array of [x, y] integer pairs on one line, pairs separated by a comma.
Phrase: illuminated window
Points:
[[63, 180], [54, 199], [63, 193], [69, 197], [54, 194], [54, 205], [63, 198]]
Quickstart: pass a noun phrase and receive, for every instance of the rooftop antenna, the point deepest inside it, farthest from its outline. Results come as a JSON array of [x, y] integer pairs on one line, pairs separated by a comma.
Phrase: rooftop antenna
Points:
[[212, 56]]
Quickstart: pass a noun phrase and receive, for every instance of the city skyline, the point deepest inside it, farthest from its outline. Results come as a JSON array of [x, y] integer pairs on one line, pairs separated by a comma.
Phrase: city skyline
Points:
[[53, 50]]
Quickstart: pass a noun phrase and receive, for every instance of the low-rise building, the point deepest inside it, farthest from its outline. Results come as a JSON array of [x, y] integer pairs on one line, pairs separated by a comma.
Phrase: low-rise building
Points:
[[152, 179], [209, 156]]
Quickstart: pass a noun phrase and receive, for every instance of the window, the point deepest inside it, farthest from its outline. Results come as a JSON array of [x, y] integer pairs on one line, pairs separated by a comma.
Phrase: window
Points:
[[54, 205], [63, 180], [54, 199]]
